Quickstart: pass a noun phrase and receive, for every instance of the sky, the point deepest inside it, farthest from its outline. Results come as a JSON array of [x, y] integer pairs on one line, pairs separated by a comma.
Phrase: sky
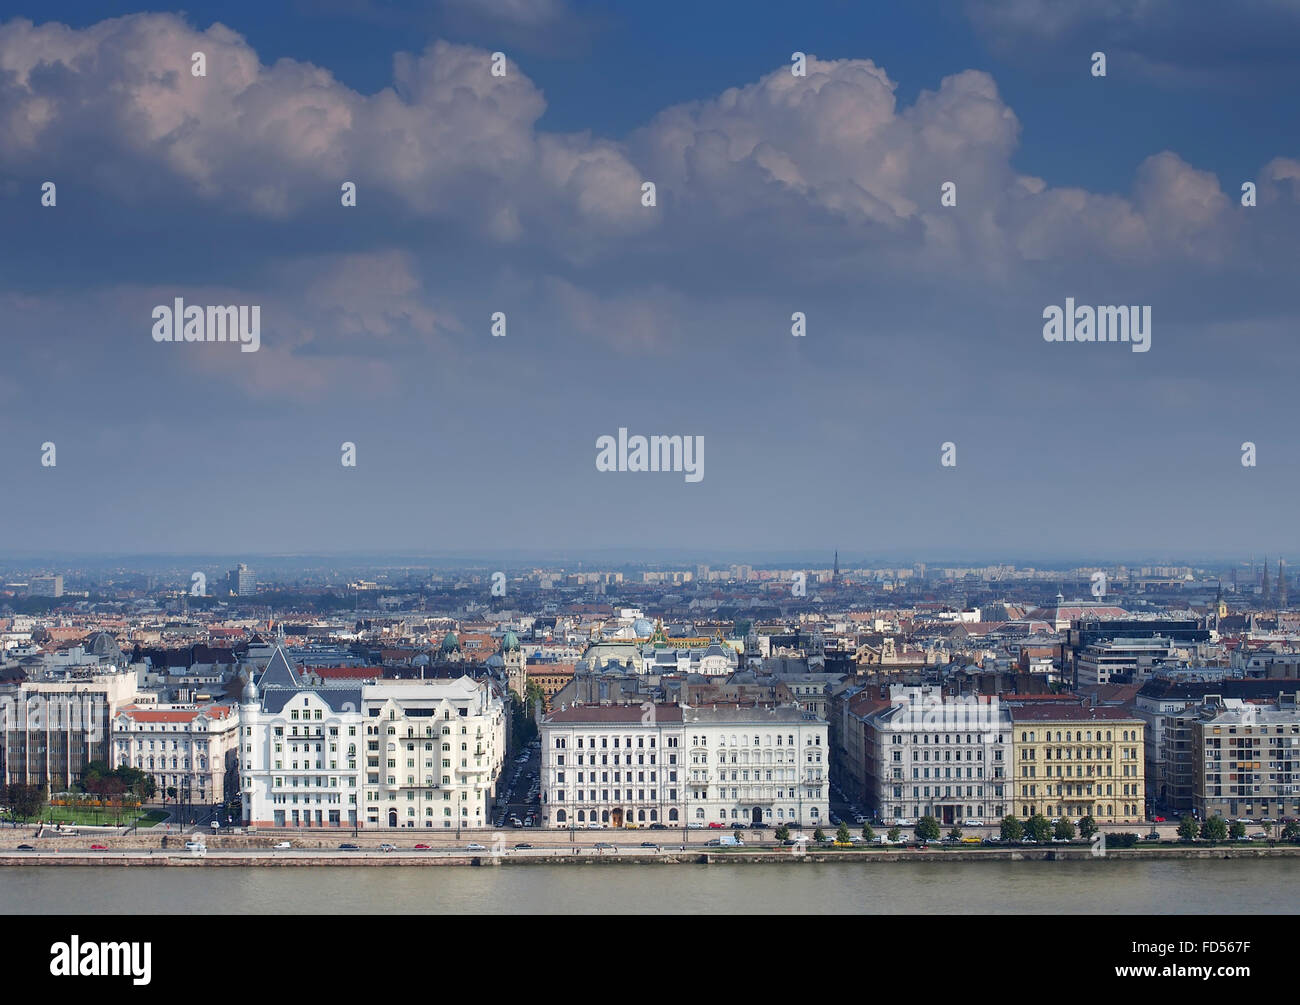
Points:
[[775, 194]]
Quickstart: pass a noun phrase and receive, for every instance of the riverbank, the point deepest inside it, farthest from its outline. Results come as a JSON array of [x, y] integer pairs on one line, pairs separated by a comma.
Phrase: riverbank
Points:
[[272, 857]]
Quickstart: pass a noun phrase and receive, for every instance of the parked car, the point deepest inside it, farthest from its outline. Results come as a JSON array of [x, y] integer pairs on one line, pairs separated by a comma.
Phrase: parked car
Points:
[[421, 847], [284, 844], [658, 827], [474, 846], [972, 823], [387, 847], [523, 846], [349, 847], [904, 822], [715, 826], [695, 825], [1158, 820], [25, 847]]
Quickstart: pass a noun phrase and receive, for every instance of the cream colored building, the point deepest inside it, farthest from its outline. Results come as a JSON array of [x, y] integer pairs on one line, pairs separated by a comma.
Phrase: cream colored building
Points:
[[190, 748], [1074, 760]]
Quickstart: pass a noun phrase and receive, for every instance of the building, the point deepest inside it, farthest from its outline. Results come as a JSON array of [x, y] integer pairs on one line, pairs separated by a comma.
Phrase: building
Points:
[[930, 754], [1162, 704], [388, 754], [756, 763], [1078, 760], [191, 749], [1122, 659], [637, 765], [51, 729], [242, 581], [434, 752], [299, 764], [45, 586], [612, 765], [1247, 758]]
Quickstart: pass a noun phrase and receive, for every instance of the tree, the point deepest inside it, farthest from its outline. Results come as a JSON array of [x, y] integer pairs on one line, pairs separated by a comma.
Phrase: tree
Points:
[[868, 834], [1087, 828], [895, 834], [1039, 828], [1064, 829], [26, 801], [1217, 829], [1291, 831], [1012, 829], [782, 833], [927, 829], [842, 835], [171, 792], [819, 836], [1187, 828], [955, 833]]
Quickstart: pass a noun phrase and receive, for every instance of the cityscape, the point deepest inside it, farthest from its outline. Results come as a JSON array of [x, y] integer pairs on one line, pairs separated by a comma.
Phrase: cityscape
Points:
[[481, 459], [847, 706]]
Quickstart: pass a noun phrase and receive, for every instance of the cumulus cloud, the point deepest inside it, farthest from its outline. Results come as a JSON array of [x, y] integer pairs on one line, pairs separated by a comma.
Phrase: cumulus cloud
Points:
[[447, 140]]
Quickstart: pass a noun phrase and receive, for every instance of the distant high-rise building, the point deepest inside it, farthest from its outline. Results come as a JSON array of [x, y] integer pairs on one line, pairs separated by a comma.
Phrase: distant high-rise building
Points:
[[1264, 591], [1281, 582], [242, 581], [45, 586]]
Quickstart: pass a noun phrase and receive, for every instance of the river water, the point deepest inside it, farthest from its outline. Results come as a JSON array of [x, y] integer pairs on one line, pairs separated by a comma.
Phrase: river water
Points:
[[1098, 886]]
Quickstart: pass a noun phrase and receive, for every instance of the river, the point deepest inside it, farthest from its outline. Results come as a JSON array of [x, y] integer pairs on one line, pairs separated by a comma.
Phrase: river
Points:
[[1178, 886]]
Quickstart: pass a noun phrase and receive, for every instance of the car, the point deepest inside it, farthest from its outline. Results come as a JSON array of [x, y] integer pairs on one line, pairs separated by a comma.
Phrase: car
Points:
[[528, 821], [904, 822], [760, 827], [284, 844], [421, 847], [992, 839], [523, 846], [474, 846], [858, 818], [1158, 820], [25, 847], [658, 827], [695, 825], [972, 823], [195, 846], [1027, 840], [970, 840], [841, 844], [387, 847], [649, 844], [715, 826], [99, 847], [739, 826], [214, 824], [604, 846], [349, 847], [1244, 837]]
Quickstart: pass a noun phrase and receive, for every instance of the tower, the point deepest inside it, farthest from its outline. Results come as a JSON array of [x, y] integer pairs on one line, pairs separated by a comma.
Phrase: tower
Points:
[[1264, 592], [512, 653], [835, 575], [1281, 583]]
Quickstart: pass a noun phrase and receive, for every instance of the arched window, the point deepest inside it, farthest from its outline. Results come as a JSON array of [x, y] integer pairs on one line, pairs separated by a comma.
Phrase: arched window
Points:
[[560, 817], [672, 816]]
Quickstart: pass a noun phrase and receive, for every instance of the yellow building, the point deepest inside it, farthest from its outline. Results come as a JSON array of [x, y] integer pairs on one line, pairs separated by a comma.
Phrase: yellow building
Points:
[[1074, 760]]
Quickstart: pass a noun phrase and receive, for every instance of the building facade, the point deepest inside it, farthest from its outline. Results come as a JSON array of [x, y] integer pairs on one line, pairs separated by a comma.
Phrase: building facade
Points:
[[1247, 758], [930, 754], [1078, 761], [193, 750], [50, 730]]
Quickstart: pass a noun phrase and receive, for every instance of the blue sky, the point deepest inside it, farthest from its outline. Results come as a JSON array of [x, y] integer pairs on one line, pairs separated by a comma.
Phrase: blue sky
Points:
[[521, 195]]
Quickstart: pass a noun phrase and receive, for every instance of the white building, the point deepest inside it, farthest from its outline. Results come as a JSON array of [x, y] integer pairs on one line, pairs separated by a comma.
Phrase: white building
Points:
[[192, 749], [369, 755], [930, 754], [677, 766], [434, 752]]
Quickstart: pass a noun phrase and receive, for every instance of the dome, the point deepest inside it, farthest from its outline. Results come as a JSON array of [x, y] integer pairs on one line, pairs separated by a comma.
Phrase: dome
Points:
[[643, 628], [495, 661], [250, 691], [450, 642], [509, 641]]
